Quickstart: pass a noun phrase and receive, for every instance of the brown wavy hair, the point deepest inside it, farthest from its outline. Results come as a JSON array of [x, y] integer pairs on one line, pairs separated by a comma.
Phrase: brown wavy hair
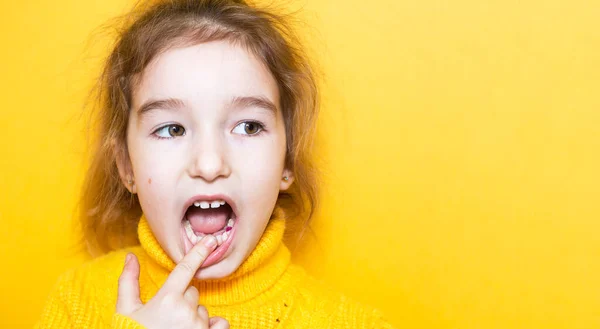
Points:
[[108, 212]]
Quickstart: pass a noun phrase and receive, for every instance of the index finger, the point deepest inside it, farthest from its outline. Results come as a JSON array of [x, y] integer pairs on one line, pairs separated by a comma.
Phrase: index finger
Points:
[[184, 272]]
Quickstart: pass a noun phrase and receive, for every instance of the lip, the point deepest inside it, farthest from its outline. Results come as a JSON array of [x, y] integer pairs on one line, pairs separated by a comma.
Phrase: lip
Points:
[[204, 197], [216, 255]]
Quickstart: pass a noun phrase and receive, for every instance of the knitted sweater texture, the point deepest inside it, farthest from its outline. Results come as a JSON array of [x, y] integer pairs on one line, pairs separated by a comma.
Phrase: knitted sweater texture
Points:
[[266, 291]]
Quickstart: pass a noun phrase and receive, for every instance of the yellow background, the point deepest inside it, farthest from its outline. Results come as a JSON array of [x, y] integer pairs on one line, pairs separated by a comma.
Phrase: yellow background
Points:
[[461, 153]]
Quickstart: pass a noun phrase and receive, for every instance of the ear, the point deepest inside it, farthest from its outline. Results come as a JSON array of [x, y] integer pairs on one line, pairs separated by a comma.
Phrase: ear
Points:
[[124, 166], [287, 178]]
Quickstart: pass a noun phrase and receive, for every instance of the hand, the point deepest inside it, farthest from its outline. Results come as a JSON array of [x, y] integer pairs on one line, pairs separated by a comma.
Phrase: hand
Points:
[[175, 305]]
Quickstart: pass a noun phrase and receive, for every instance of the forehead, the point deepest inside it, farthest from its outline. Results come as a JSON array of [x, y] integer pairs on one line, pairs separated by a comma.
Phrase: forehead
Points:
[[205, 74]]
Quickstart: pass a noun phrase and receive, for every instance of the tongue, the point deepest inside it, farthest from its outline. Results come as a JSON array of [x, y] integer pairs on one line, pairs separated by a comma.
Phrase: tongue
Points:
[[207, 221]]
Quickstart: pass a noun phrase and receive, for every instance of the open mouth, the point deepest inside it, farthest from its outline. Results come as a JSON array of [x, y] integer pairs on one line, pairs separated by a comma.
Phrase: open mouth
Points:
[[214, 217]]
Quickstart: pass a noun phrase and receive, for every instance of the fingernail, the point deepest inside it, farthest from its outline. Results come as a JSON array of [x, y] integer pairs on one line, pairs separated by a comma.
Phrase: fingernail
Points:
[[127, 259], [210, 241]]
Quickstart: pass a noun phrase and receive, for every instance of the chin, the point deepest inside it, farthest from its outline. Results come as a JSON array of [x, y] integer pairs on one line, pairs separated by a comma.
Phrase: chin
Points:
[[219, 270]]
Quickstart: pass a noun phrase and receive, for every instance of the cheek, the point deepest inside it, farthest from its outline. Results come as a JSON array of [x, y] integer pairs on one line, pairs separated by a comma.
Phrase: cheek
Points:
[[155, 173], [260, 170], [154, 164]]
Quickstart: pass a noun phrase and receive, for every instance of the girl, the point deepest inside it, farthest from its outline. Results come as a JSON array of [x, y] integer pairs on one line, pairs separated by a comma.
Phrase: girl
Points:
[[205, 132]]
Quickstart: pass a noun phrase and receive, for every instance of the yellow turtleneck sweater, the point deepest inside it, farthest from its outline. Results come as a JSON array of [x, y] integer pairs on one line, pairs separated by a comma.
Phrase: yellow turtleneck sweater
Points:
[[266, 291]]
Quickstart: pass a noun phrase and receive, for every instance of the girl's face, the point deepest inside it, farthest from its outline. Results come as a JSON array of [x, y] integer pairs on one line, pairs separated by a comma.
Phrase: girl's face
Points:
[[205, 129]]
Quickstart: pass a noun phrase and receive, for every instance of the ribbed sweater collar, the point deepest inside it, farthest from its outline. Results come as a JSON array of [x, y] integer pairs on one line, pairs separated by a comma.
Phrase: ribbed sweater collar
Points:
[[259, 272]]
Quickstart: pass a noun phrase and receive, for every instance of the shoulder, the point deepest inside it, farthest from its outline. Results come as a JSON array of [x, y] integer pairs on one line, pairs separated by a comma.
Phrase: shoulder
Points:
[[327, 307]]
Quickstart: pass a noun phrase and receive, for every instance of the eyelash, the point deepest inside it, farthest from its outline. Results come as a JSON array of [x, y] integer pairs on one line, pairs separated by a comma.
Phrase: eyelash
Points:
[[163, 127], [261, 128]]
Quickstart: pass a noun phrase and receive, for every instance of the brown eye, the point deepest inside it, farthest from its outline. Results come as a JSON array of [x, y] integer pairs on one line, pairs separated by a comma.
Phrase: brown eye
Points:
[[248, 128], [175, 130], [251, 128], [169, 131]]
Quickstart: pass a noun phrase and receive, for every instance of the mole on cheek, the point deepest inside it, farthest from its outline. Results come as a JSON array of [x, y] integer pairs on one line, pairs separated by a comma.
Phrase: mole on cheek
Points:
[[149, 180]]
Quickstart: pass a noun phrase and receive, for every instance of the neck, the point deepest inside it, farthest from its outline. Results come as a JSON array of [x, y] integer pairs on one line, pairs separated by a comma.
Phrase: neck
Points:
[[260, 271]]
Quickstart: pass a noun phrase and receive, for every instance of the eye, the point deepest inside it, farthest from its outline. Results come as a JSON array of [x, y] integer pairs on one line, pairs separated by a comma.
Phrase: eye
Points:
[[248, 128], [170, 131]]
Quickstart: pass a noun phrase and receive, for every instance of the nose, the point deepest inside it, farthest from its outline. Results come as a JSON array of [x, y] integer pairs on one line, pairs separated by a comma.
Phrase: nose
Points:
[[209, 160]]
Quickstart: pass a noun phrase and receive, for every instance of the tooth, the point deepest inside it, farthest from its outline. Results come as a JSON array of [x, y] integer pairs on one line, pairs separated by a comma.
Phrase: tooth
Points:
[[222, 202], [225, 236], [219, 239], [192, 238], [197, 204], [230, 222], [188, 227], [204, 204], [215, 204], [189, 232]]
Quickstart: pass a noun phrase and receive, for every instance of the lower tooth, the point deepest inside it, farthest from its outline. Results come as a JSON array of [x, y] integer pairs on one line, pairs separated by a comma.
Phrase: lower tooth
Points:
[[196, 237], [188, 230]]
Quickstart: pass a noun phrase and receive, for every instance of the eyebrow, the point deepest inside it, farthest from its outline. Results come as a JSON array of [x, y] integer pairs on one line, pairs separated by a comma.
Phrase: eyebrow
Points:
[[253, 101], [236, 102], [167, 104]]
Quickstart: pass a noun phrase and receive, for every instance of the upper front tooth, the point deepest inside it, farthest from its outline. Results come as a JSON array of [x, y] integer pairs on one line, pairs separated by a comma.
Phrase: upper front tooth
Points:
[[222, 202], [204, 204], [197, 204], [215, 204]]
